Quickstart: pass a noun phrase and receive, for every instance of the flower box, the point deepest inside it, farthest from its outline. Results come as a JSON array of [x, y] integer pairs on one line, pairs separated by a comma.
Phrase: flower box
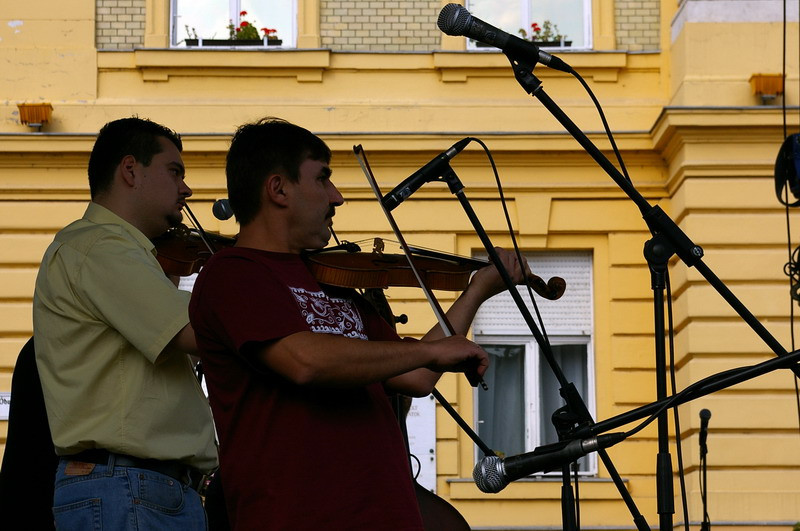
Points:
[[34, 114], [552, 44], [232, 43], [540, 44]]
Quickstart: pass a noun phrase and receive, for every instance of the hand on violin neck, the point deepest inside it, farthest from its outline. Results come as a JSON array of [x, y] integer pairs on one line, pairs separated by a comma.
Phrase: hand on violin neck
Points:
[[488, 282]]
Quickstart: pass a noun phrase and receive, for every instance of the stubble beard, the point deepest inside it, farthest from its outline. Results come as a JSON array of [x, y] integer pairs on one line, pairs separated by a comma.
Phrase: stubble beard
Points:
[[175, 219]]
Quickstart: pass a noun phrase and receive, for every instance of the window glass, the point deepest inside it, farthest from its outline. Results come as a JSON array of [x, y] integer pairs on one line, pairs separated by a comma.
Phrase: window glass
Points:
[[209, 19], [572, 359], [273, 14], [501, 411], [569, 16]]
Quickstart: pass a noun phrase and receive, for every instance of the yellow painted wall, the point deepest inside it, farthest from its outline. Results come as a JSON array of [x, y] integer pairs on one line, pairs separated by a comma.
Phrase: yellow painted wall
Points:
[[695, 139]]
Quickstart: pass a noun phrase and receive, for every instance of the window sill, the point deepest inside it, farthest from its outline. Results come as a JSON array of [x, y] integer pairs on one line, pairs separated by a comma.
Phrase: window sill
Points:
[[159, 64]]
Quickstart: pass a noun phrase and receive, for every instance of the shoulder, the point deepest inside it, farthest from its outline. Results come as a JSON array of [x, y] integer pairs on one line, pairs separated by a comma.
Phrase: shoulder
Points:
[[244, 261]]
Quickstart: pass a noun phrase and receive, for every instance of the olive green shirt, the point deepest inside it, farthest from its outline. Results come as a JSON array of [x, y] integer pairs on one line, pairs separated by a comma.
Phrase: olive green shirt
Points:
[[103, 314]]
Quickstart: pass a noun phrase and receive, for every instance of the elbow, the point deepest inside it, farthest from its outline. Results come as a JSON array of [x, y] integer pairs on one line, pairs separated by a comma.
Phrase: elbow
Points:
[[302, 376]]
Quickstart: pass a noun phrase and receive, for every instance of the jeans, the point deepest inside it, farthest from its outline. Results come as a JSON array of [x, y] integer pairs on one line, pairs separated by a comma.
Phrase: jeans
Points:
[[123, 498]]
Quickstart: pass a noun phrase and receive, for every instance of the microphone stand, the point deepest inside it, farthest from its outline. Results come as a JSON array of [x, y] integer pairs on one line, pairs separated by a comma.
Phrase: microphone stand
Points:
[[668, 239], [575, 413], [705, 525]]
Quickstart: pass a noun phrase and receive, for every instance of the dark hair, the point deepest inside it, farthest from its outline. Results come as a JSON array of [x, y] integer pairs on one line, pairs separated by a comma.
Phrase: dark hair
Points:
[[258, 149], [120, 138]]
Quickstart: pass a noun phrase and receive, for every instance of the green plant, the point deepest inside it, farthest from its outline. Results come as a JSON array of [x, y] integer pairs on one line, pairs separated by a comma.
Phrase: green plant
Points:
[[547, 32], [191, 32], [244, 31]]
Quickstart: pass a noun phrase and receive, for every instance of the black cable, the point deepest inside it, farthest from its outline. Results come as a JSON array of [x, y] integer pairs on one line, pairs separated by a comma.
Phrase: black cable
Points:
[[605, 123], [673, 383], [577, 495], [511, 234], [791, 268], [706, 524]]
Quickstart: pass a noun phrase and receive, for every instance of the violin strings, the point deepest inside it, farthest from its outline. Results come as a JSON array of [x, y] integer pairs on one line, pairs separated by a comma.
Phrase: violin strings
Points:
[[199, 228]]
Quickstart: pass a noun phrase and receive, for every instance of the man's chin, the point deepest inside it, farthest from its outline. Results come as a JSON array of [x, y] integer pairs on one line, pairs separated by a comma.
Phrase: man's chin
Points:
[[175, 219]]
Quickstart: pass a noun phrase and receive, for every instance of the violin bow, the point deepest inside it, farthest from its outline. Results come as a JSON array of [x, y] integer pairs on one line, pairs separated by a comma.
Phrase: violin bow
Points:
[[447, 328], [200, 230]]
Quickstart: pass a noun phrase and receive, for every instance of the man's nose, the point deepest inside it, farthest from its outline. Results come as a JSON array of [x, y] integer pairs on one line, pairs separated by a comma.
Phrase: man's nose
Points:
[[185, 190], [335, 196]]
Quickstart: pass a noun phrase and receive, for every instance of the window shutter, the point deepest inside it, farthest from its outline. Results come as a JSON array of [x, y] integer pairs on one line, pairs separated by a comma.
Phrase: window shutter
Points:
[[569, 315]]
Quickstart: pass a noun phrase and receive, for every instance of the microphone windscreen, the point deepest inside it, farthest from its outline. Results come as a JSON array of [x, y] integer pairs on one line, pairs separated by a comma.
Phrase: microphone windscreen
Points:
[[222, 209], [453, 19], [488, 475]]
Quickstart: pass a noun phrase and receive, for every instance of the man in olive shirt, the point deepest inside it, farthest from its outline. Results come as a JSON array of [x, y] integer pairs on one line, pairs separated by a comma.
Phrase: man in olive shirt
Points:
[[128, 417]]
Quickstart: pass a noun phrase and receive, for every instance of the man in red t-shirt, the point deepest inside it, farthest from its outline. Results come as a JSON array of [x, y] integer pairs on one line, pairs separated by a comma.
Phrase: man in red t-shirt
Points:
[[297, 372]]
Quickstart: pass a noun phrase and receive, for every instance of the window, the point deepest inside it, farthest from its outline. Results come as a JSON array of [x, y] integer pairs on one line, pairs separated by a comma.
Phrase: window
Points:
[[209, 19], [514, 415], [572, 17]]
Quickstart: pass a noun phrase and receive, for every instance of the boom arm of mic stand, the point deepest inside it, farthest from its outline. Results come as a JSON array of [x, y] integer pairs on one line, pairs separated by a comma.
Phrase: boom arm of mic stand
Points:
[[658, 221], [706, 386]]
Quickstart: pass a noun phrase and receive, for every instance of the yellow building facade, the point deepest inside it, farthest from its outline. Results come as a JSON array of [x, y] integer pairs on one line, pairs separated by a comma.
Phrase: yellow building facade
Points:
[[674, 79]]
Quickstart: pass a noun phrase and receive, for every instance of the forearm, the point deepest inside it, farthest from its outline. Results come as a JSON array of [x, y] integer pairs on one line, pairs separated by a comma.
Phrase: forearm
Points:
[[184, 340], [306, 358], [486, 283], [460, 315]]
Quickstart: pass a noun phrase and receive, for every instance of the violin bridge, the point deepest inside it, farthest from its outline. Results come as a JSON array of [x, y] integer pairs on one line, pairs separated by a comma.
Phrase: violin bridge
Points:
[[378, 245]]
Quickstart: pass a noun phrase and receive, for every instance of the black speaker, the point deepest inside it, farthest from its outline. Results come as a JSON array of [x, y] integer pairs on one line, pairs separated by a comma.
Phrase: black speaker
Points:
[[787, 169]]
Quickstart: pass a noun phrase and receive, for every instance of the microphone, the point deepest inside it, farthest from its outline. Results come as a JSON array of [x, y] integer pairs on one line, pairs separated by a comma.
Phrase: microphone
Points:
[[427, 173], [704, 416], [222, 209], [456, 20], [492, 474]]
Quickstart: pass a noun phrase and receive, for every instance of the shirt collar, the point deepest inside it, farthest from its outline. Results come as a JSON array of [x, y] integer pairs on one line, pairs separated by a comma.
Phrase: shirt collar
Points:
[[99, 214]]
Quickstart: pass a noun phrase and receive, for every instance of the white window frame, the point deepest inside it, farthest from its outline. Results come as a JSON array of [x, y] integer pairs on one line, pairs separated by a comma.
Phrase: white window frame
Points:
[[565, 333], [525, 20], [534, 416], [234, 8]]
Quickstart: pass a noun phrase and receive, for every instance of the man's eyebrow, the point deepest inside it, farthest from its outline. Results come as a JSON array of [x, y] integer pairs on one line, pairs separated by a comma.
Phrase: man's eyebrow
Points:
[[180, 166]]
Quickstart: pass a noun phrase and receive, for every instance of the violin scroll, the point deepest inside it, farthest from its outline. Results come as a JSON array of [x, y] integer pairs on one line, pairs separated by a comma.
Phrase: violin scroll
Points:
[[551, 290]]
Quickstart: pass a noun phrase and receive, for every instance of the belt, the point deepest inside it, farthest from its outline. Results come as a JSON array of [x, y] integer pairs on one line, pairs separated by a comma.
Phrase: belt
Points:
[[181, 472]]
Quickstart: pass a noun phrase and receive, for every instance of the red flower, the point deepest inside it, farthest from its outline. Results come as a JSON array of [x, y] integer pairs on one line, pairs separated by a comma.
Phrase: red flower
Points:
[[244, 24], [536, 27], [269, 31], [238, 30], [243, 13]]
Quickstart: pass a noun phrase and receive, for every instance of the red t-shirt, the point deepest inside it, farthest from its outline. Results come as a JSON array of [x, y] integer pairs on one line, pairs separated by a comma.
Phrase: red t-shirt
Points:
[[295, 457]]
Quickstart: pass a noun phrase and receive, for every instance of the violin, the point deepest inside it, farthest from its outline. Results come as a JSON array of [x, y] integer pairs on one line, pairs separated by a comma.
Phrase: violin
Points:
[[182, 251], [345, 266]]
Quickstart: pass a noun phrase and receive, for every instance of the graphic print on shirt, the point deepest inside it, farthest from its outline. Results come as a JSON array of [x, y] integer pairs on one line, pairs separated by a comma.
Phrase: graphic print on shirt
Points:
[[328, 315]]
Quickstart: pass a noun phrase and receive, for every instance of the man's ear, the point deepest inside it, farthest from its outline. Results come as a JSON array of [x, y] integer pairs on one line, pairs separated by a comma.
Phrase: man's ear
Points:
[[126, 169], [275, 189]]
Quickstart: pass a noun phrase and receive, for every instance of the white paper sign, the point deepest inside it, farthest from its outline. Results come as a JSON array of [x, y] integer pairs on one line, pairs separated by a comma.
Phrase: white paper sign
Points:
[[421, 424]]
